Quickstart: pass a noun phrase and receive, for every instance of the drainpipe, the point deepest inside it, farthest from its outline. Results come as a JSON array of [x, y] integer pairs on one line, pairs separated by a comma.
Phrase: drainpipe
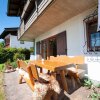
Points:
[[98, 29], [34, 47], [36, 6]]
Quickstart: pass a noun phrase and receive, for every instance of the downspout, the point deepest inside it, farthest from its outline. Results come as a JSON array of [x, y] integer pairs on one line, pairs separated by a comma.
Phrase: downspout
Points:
[[98, 28], [34, 47], [36, 7]]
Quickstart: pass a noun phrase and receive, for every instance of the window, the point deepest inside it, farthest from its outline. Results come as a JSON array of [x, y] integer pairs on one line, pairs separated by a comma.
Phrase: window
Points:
[[93, 37], [7, 41], [21, 42]]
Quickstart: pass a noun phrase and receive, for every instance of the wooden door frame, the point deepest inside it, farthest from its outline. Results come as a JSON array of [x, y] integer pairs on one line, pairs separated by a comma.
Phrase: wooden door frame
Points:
[[48, 45]]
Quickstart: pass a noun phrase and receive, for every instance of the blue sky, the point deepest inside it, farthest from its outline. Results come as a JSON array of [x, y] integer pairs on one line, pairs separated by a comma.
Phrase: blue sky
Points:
[[5, 21]]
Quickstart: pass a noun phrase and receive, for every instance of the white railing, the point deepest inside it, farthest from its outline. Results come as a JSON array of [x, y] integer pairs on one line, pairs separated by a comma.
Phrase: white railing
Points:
[[25, 7], [18, 36], [21, 29], [33, 17]]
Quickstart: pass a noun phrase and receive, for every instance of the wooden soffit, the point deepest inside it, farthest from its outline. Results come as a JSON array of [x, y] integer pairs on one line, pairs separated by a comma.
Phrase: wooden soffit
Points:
[[55, 14]]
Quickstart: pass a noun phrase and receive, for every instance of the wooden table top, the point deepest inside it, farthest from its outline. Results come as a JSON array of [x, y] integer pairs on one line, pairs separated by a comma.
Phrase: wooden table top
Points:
[[50, 65]]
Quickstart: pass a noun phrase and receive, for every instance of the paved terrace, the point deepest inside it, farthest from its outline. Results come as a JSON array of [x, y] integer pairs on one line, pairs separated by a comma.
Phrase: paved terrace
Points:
[[15, 91]]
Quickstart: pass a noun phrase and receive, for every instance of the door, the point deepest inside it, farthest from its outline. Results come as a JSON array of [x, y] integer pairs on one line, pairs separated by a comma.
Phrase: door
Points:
[[52, 47], [61, 43]]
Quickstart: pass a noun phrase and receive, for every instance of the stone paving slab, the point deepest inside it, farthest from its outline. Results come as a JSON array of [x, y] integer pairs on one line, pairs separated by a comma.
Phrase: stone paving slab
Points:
[[15, 91]]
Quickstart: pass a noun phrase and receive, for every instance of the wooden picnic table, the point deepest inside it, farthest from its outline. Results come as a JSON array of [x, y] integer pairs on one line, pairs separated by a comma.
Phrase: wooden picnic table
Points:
[[54, 66]]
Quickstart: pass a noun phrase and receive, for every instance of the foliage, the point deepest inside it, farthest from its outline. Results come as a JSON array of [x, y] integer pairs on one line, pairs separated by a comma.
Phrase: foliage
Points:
[[2, 44], [98, 85], [95, 95], [14, 64], [8, 53], [8, 62], [88, 83], [32, 50], [2, 67], [19, 56], [26, 52], [2, 94]]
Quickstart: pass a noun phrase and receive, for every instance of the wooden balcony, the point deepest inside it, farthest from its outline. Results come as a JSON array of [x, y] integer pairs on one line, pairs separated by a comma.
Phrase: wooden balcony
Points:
[[53, 13], [32, 18]]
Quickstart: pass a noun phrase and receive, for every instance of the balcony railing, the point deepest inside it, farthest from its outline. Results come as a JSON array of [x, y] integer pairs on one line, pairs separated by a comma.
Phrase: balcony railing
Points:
[[37, 12], [34, 15], [21, 29], [25, 7]]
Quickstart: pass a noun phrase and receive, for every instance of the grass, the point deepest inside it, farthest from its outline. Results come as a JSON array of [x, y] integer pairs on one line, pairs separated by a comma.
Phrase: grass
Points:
[[1, 67], [2, 94]]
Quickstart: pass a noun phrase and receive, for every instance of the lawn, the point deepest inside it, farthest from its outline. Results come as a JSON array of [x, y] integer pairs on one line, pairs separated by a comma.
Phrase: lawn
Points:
[[2, 94], [1, 67]]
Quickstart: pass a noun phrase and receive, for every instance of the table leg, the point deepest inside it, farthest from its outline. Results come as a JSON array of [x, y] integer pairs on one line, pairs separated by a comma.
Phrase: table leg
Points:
[[63, 79], [20, 79], [55, 95], [48, 71], [54, 74], [41, 70]]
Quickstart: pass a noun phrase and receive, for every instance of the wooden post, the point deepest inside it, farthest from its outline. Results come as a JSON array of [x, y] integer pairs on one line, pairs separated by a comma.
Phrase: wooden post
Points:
[[63, 79], [20, 79]]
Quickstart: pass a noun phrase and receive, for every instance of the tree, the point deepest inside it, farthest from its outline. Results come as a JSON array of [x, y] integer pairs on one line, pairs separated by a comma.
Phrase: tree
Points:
[[2, 44]]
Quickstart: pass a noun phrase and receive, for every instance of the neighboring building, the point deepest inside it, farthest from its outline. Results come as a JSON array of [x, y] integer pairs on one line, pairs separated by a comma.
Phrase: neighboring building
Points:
[[10, 38], [61, 27]]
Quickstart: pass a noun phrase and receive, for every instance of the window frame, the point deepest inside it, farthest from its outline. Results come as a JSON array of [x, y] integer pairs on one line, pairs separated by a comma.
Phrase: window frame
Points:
[[21, 42], [88, 34]]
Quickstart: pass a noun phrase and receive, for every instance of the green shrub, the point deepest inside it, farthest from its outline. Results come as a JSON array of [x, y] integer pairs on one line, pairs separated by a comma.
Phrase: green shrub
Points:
[[19, 56], [14, 64], [9, 53], [8, 62], [26, 52], [2, 67], [95, 95], [98, 85], [88, 83], [6, 53]]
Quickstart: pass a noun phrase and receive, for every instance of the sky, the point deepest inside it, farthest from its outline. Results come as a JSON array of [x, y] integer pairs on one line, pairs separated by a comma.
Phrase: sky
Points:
[[5, 21]]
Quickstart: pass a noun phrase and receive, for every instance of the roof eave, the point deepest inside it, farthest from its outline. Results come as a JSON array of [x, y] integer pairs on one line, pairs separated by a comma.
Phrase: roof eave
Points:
[[8, 31]]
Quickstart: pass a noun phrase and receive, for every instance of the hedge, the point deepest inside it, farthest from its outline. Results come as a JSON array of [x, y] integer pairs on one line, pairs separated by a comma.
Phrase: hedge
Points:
[[8, 53]]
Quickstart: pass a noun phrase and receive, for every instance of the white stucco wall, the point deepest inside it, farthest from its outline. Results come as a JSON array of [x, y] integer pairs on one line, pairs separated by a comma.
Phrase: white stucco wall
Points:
[[75, 41], [16, 44]]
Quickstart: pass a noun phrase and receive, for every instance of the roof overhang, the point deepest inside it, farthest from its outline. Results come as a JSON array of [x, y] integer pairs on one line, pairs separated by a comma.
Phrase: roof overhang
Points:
[[55, 14], [15, 7], [12, 31]]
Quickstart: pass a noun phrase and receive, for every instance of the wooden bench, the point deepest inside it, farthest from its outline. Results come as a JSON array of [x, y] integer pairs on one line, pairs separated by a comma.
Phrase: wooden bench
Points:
[[29, 73], [22, 69]]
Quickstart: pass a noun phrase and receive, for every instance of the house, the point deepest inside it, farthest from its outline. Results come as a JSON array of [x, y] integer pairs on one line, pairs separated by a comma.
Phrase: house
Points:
[[61, 27], [10, 38]]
